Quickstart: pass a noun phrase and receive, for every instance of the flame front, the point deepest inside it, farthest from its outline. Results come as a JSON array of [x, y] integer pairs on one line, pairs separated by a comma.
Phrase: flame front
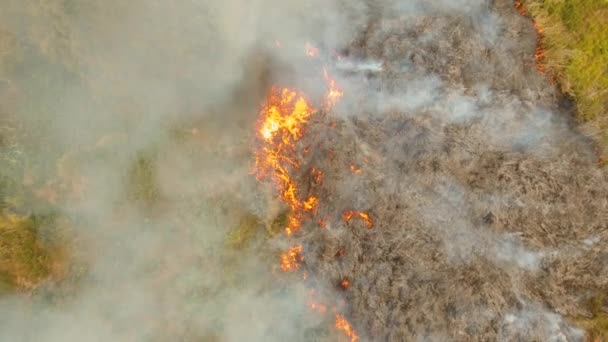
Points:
[[281, 125], [344, 325], [355, 170]]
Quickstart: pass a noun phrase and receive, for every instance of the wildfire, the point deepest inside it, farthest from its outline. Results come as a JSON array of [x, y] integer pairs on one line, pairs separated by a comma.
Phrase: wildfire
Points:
[[345, 283], [349, 215], [281, 125], [290, 260], [344, 325], [311, 203]]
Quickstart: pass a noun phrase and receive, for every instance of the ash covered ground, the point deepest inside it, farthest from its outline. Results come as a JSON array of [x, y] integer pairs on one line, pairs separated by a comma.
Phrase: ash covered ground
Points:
[[490, 215]]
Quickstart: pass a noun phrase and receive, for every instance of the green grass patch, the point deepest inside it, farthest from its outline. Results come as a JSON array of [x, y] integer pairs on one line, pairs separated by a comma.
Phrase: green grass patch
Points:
[[575, 39], [245, 231], [24, 260], [597, 326], [143, 183]]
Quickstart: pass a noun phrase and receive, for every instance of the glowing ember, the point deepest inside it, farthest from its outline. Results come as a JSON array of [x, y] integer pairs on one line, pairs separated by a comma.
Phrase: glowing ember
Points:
[[349, 215], [355, 170], [281, 124], [317, 176], [344, 325], [290, 260], [520, 7], [293, 224], [340, 253], [310, 50]]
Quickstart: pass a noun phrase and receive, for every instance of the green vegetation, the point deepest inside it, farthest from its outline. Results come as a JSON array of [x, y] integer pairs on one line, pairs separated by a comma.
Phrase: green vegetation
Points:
[[575, 43], [25, 260], [597, 326], [244, 232], [143, 185]]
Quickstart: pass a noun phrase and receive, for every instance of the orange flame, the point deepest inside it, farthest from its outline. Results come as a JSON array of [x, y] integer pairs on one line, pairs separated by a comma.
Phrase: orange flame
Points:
[[311, 203], [349, 215], [290, 260], [355, 170], [345, 283], [334, 93], [317, 176], [281, 125], [344, 325], [520, 7]]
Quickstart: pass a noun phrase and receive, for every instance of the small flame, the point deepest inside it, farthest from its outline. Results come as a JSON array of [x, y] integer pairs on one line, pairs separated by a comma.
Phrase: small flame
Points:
[[281, 126], [334, 93], [290, 260], [520, 7], [345, 283], [349, 215], [344, 325], [355, 170], [311, 203], [317, 176]]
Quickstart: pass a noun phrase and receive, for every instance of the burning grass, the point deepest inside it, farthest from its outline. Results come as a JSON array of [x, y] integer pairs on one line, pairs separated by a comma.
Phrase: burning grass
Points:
[[574, 48]]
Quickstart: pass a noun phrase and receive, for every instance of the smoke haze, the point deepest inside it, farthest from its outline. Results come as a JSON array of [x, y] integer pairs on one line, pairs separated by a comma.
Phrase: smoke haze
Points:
[[490, 217]]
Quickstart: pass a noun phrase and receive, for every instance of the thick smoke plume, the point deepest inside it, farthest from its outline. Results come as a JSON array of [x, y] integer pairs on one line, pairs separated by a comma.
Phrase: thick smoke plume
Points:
[[489, 214]]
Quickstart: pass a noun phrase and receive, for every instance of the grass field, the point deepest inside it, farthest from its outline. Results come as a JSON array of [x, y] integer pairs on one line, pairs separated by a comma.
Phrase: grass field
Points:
[[575, 42]]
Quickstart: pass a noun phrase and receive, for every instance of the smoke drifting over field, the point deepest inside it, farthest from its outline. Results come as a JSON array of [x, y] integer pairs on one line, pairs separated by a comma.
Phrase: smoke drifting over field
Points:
[[490, 219]]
